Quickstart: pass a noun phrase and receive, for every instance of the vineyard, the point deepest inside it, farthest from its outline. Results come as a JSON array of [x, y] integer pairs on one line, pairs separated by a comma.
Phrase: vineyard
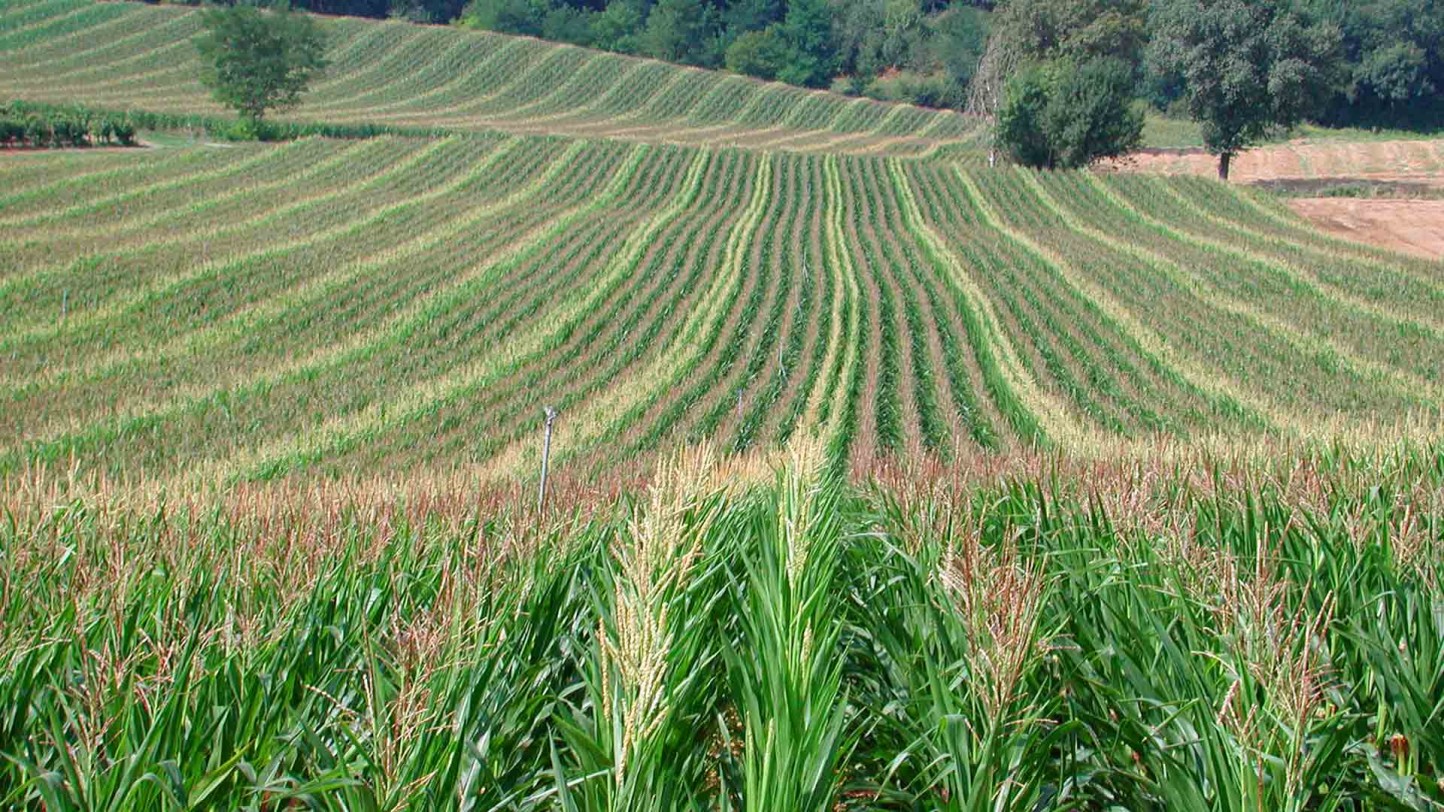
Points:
[[880, 478], [122, 56]]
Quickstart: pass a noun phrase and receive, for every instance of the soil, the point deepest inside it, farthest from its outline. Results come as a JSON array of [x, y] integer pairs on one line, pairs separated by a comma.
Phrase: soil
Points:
[[1412, 226], [1418, 161], [1402, 183]]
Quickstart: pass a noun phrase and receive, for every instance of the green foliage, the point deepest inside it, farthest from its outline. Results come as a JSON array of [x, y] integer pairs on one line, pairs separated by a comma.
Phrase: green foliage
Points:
[[42, 126], [1079, 30], [1072, 638], [1392, 61], [958, 38], [757, 53], [254, 60], [510, 16], [1063, 115], [929, 90], [807, 34], [1245, 67], [618, 27], [568, 24], [680, 31]]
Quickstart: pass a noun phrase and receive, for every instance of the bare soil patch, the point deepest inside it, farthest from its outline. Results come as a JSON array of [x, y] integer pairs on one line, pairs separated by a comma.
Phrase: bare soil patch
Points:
[[1417, 161], [1412, 226], [1385, 193]]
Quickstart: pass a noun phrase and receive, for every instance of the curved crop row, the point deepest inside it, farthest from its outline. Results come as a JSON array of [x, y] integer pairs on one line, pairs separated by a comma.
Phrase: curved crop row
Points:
[[122, 56], [340, 305]]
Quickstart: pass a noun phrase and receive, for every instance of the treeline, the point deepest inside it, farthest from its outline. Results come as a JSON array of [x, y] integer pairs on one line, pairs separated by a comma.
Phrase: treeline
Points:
[[1384, 66], [23, 125], [1385, 58], [920, 51]]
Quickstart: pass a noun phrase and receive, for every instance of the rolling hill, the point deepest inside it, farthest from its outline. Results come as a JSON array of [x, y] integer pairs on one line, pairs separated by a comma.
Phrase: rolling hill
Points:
[[1136, 516], [395, 303], [129, 56]]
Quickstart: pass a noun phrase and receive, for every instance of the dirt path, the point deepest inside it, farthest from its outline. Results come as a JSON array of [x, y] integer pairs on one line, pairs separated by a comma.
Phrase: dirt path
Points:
[[1412, 226]]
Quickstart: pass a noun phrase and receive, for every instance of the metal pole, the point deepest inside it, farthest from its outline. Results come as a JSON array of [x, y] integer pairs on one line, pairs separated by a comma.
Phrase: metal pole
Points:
[[546, 456]]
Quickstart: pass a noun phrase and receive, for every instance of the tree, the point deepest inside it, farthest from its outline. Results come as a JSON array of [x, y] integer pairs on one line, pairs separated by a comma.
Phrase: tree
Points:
[[1091, 113], [757, 53], [1247, 66], [807, 32], [1066, 115], [1080, 30], [255, 60], [619, 26], [1393, 55], [1024, 108], [677, 31]]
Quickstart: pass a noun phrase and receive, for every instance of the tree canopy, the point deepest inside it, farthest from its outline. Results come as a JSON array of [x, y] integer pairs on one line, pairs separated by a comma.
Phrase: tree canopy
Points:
[[1066, 115], [256, 60], [1346, 62], [1246, 67]]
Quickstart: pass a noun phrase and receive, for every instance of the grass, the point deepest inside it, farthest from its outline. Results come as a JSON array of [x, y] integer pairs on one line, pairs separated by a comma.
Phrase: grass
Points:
[[1215, 634], [1162, 131]]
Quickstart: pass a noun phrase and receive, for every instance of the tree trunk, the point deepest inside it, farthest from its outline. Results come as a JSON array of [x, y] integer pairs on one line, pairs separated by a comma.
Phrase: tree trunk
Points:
[[1223, 162]]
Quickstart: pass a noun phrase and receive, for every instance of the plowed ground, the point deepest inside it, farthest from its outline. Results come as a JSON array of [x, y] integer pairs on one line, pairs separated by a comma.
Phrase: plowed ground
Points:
[[1411, 169]]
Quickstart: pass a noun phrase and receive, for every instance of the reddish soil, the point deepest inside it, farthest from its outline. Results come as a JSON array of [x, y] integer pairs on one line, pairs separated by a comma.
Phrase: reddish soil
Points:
[[1383, 160], [1402, 169], [1412, 226]]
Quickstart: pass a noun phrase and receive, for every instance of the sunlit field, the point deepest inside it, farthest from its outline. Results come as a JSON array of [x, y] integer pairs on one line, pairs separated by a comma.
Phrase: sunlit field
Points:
[[880, 478]]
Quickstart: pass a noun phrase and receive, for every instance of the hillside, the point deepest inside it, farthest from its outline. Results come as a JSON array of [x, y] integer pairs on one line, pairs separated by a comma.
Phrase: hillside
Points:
[[391, 303], [129, 56], [882, 479]]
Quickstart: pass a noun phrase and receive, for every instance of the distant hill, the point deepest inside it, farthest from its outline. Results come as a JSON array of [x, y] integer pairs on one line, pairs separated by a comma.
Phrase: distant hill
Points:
[[131, 56]]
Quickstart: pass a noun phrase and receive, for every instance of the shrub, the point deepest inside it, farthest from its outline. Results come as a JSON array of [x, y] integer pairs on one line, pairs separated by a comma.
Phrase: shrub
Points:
[[12, 130], [1067, 115]]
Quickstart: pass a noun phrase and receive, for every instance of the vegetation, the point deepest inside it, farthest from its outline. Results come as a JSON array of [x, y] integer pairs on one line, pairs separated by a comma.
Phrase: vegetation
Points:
[[1068, 115], [660, 293], [938, 641], [397, 78], [256, 60], [1033, 490], [1245, 68], [23, 125]]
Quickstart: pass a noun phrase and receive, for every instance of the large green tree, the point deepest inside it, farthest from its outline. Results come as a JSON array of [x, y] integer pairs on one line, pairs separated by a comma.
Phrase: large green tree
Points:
[[255, 60], [681, 31], [806, 31], [1066, 115], [1246, 67]]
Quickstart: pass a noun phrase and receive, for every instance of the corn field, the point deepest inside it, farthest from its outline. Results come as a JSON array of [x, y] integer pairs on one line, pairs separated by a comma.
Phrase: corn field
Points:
[[122, 56], [996, 490], [1040, 636], [200, 315]]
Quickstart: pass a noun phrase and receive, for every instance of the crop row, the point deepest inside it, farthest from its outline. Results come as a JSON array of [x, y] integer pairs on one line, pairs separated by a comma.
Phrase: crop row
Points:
[[262, 309], [124, 57]]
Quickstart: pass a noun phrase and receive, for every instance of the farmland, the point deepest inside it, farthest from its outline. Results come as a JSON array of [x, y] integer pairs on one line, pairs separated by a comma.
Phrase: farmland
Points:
[[881, 478], [122, 56], [392, 303]]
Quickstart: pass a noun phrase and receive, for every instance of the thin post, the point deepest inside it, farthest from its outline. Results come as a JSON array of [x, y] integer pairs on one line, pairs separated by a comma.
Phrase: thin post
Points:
[[739, 407], [546, 456]]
